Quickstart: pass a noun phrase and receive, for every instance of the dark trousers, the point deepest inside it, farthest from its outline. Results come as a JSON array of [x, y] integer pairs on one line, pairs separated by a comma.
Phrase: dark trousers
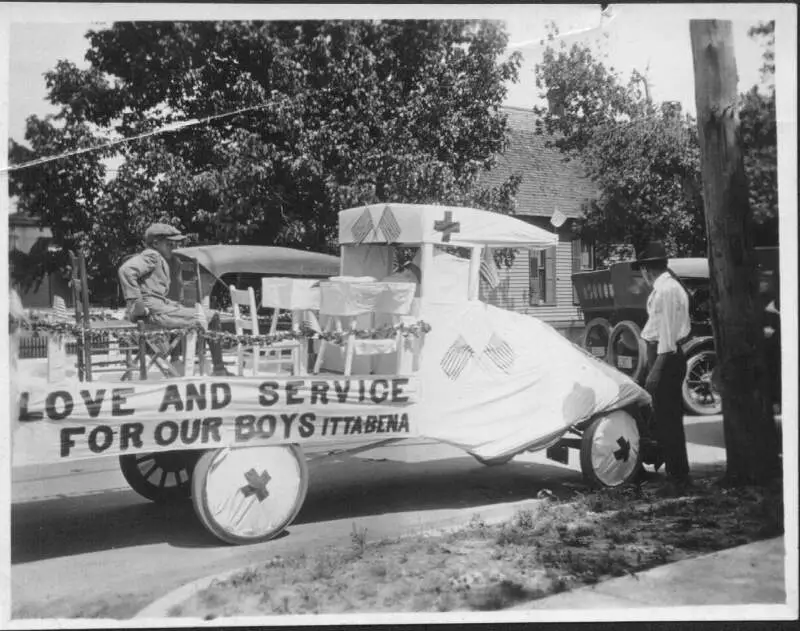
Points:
[[668, 413]]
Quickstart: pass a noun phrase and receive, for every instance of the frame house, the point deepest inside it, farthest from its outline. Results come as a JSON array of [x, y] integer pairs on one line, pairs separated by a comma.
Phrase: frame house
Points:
[[540, 283], [23, 233]]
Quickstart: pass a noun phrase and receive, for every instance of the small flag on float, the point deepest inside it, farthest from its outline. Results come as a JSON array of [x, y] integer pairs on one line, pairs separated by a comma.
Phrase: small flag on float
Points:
[[500, 353], [456, 358], [60, 308], [363, 226], [388, 225], [558, 218], [489, 269]]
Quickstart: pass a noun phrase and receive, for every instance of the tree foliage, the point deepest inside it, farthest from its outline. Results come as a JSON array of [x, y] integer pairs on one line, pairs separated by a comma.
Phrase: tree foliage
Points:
[[758, 126], [342, 113], [643, 156]]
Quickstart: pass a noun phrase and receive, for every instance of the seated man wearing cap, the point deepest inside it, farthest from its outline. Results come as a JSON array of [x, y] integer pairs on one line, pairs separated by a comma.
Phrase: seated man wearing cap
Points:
[[145, 281]]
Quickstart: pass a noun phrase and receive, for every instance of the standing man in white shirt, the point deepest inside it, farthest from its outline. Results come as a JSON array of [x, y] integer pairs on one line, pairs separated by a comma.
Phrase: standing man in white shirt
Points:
[[667, 327]]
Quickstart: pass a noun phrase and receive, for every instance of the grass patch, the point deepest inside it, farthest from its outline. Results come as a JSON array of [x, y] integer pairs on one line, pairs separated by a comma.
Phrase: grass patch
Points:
[[560, 545]]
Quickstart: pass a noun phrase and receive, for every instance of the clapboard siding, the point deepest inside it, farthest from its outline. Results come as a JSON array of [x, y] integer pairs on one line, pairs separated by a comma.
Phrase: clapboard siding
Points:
[[513, 292]]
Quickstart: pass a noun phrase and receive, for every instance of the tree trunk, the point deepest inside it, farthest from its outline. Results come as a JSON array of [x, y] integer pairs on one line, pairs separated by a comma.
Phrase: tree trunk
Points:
[[751, 437]]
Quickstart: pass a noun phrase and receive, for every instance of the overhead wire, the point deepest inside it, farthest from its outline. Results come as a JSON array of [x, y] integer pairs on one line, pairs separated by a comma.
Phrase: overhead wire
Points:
[[606, 17], [172, 127]]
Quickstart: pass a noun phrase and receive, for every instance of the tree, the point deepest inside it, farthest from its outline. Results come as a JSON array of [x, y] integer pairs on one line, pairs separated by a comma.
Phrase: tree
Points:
[[766, 30], [644, 158], [326, 115], [751, 438], [759, 132], [62, 194]]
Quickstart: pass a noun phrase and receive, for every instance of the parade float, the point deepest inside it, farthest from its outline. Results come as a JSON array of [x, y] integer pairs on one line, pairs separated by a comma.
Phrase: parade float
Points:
[[396, 346]]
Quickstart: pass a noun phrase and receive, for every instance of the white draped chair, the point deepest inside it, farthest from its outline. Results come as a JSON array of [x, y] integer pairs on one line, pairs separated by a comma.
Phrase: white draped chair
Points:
[[347, 302]]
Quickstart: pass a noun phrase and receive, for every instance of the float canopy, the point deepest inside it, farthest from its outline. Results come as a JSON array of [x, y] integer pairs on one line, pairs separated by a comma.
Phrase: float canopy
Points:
[[453, 225]]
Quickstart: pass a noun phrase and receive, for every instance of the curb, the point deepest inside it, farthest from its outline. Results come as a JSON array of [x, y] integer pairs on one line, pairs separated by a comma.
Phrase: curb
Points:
[[491, 514]]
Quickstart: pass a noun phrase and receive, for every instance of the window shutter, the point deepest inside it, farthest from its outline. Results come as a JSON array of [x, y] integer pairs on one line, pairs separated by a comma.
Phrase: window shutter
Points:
[[550, 275], [533, 278], [577, 266]]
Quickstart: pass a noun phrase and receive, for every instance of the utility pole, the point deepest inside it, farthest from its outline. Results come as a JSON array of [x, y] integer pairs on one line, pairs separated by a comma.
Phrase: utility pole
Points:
[[751, 438]]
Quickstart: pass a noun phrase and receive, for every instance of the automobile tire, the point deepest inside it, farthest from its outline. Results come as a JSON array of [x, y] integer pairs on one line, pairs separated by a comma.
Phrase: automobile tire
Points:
[[700, 396], [595, 337], [628, 334]]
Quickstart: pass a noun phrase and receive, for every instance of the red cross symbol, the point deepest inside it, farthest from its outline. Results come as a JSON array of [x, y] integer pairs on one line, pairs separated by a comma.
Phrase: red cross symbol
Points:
[[256, 484], [447, 226]]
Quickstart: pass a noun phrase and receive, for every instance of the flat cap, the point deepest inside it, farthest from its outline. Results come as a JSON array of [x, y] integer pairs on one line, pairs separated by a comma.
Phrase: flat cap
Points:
[[163, 230]]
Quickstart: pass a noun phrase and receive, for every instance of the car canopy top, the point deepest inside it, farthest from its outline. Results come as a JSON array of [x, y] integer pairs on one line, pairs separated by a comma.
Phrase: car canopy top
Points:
[[427, 223], [264, 260]]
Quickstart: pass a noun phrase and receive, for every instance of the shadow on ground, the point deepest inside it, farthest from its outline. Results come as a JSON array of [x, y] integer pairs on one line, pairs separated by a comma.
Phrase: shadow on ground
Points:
[[339, 489]]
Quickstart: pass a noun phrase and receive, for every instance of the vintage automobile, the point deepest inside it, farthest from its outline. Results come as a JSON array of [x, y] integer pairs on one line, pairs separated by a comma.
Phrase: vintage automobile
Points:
[[613, 302], [403, 348]]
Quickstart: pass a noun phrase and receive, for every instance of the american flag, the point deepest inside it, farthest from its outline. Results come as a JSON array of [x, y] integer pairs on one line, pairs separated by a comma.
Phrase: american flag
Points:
[[388, 225], [499, 352], [489, 269], [456, 358], [363, 226], [60, 308]]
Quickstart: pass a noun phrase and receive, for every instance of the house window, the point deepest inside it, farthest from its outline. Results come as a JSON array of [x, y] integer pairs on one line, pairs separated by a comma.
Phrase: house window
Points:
[[542, 277], [582, 260]]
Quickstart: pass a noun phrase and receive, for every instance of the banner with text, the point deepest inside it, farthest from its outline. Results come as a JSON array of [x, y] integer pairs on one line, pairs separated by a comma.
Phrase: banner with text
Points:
[[85, 420]]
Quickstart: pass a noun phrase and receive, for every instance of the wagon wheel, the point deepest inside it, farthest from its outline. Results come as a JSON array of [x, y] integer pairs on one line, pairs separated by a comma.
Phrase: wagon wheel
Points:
[[595, 337], [627, 351], [250, 494], [699, 394], [610, 450], [161, 476]]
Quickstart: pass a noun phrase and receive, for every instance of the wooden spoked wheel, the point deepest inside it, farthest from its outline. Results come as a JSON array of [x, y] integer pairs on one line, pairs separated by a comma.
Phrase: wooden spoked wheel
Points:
[[250, 494], [700, 396], [627, 351], [160, 476], [610, 450]]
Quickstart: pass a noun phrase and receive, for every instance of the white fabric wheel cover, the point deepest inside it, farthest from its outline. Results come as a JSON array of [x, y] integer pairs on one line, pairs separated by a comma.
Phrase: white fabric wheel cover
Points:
[[252, 491], [615, 448]]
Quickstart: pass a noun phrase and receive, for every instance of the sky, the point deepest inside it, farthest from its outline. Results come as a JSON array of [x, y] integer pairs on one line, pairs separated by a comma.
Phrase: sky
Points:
[[653, 39]]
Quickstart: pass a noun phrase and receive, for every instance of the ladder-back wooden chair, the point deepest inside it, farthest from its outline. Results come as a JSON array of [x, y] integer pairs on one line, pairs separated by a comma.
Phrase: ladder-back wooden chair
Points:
[[120, 345], [253, 357]]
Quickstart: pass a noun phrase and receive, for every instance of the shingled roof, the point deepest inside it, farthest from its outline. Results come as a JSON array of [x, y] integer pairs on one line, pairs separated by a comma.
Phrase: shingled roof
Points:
[[547, 180]]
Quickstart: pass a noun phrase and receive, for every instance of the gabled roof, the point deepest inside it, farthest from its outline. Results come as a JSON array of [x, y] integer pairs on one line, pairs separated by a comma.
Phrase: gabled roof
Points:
[[547, 179]]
